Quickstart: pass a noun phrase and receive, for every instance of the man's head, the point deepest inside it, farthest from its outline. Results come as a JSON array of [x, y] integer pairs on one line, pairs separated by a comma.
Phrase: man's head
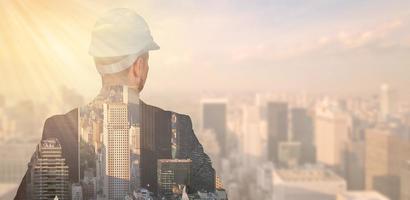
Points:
[[133, 76], [120, 44]]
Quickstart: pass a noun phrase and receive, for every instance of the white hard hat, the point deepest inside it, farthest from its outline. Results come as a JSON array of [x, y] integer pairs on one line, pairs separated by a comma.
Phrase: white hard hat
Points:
[[120, 33]]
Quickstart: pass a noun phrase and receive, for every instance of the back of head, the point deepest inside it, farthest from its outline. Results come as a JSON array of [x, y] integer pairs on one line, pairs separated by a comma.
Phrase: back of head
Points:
[[120, 36]]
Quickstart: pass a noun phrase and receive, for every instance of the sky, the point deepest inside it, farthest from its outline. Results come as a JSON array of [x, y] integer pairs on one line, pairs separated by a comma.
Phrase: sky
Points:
[[216, 45]]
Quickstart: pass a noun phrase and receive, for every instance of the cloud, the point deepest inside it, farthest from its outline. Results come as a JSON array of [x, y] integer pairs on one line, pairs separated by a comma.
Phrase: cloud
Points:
[[384, 35]]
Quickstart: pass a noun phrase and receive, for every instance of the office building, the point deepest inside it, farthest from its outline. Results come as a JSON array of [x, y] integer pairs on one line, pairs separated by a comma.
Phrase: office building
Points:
[[251, 132], [405, 181], [218, 183], [213, 114], [117, 154], [355, 165], [48, 172], [76, 192], [386, 153], [302, 131], [173, 174], [277, 127], [332, 129], [388, 101], [135, 157], [289, 154]]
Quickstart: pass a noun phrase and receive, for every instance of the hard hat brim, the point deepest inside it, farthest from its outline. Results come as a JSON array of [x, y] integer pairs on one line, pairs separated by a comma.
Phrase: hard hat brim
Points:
[[126, 62]]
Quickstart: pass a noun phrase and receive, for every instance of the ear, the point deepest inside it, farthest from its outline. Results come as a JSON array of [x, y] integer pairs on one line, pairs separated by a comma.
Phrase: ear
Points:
[[136, 70], [135, 73]]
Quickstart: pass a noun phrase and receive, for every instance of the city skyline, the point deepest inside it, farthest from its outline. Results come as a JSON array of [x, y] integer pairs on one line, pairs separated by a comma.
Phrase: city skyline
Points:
[[264, 99]]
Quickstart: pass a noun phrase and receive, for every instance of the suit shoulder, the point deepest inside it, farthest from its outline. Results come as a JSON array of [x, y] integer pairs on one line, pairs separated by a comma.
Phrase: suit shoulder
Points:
[[69, 116], [182, 118], [154, 109], [58, 124]]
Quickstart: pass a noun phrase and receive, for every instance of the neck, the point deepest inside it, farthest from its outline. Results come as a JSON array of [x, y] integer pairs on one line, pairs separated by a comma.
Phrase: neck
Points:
[[113, 80]]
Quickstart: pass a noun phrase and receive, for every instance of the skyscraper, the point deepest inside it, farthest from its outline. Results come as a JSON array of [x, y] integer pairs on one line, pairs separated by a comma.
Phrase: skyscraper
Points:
[[49, 172], [302, 131], [332, 128], [289, 154], [252, 132], [386, 153], [405, 181], [173, 174], [117, 153], [76, 192], [277, 125], [135, 157], [387, 101], [214, 117]]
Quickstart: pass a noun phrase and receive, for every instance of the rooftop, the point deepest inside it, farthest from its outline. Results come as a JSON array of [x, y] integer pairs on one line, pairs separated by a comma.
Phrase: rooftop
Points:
[[307, 175], [362, 195], [50, 143]]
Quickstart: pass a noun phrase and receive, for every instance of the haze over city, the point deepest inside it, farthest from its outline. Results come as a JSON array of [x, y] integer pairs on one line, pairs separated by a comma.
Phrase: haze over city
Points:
[[315, 46], [290, 99]]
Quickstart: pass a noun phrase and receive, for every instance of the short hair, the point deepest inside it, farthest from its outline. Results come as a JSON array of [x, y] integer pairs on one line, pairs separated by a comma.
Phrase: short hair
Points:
[[110, 60], [107, 60]]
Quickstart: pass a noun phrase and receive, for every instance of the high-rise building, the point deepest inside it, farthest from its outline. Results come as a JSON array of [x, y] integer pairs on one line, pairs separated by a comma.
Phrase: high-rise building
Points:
[[173, 174], [48, 172], [277, 127], [405, 181], [135, 157], [218, 183], [76, 192], [355, 156], [302, 131], [289, 154], [252, 132], [264, 179], [332, 129], [354, 165], [386, 152], [117, 152], [213, 113], [387, 101]]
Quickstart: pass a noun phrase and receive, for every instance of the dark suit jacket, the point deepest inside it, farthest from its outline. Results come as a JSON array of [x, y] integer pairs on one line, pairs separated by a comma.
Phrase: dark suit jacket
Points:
[[155, 144]]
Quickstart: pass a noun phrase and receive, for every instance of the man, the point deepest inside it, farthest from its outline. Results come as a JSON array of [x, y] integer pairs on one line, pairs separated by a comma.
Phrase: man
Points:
[[121, 41]]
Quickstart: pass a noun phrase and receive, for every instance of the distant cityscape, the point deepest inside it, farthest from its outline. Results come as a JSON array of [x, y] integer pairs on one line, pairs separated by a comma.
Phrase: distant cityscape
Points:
[[288, 147], [278, 146]]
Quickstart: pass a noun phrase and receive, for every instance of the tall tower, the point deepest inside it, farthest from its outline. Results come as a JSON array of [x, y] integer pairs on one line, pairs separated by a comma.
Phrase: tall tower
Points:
[[302, 131], [387, 101], [386, 154], [277, 122], [405, 180], [252, 131], [117, 153], [172, 175], [49, 172], [135, 150], [214, 118], [332, 129]]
